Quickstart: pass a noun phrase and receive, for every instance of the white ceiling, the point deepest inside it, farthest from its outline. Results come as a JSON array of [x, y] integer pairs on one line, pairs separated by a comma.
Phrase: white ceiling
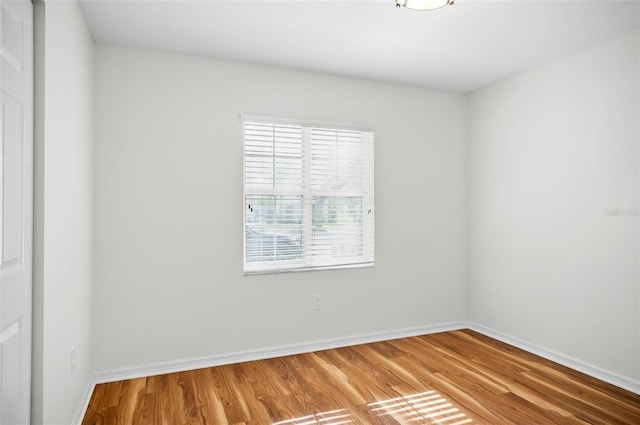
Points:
[[459, 48]]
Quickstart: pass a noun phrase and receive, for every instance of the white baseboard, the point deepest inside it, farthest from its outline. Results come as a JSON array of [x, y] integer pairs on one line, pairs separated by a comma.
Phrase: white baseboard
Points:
[[84, 403], [265, 353], [596, 372]]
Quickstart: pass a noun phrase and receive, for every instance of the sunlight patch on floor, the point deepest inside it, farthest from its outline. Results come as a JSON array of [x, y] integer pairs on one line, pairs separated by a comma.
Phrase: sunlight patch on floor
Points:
[[333, 417], [427, 407]]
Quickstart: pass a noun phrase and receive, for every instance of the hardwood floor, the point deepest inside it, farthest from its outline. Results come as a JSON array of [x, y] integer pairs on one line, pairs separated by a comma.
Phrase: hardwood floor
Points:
[[450, 378]]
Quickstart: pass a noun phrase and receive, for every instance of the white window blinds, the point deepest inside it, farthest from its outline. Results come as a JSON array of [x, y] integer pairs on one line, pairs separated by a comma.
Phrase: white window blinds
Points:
[[308, 195]]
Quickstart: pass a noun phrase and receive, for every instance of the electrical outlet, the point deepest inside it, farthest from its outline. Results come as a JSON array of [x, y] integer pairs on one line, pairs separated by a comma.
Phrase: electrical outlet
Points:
[[317, 302], [73, 359]]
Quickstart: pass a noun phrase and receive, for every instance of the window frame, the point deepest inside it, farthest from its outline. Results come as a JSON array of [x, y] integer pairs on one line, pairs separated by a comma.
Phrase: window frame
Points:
[[366, 193]]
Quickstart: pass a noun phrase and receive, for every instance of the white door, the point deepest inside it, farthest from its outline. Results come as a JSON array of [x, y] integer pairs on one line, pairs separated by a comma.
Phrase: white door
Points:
[[16, 206]]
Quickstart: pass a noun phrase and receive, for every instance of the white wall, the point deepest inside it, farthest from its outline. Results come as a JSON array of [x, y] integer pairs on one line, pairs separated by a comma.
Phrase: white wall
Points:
[[552, 154], [168, 210], [63, 212]]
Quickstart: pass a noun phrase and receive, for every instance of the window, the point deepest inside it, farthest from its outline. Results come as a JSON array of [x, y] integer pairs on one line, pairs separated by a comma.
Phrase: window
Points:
[[308, 194]]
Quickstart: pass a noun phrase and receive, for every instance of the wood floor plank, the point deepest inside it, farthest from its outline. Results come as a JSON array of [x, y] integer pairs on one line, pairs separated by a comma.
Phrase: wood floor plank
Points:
[[318, 394], [132, 392], [570, 393], [450, 378], [169, 400], [389, 365], [211, 408], [335, 377], [227, 383], [145, 410], [102, 417], [97, 399]]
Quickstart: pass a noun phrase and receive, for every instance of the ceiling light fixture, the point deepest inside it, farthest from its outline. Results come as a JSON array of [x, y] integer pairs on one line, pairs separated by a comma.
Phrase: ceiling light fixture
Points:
[[423, 4]]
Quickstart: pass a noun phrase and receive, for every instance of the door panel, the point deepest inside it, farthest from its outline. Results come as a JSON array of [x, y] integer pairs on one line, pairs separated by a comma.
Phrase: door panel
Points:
[[12, 176], [16, 196]]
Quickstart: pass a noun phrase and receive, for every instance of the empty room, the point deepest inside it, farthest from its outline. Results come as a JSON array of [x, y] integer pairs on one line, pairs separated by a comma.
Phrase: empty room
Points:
[[320, 212]]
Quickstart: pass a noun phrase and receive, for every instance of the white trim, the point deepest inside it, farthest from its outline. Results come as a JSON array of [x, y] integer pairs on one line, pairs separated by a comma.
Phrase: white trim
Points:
[[309, 269], [81, 411], [266, 353], [593, 371], [304, 122]]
